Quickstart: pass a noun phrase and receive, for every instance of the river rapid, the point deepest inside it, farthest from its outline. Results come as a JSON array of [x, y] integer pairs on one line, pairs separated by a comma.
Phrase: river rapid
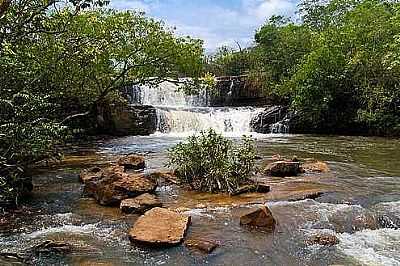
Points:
[[360, 206]]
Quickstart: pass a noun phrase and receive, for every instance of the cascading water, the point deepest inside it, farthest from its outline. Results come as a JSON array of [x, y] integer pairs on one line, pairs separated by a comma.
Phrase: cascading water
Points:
[[178, 113]]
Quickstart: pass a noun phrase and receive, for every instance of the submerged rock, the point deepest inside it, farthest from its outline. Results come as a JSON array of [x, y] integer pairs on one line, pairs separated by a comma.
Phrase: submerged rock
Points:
[[202, 245], [323, 240], [140, 204], [283, 168], [315, 167], [160, 227], [50, 246], [259, 218], [132, 162]]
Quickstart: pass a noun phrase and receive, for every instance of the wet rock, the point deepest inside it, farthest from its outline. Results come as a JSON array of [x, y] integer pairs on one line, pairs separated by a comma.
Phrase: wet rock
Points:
[[259, 218], [166, 176], [132, 162], [160, 227], [315, 167], [92, 176], [283, 168], [205, 246], [140, 204], [323, 240], [263, 121], [50, 246], [305, 195], [87, 175], [255, 188], [112, 189]]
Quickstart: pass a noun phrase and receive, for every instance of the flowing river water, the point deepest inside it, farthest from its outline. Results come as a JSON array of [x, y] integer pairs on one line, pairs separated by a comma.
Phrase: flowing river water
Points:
[[361, 205]]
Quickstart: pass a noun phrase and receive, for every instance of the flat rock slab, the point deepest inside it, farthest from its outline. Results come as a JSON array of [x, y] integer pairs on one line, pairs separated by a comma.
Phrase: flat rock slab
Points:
[[140, 204], [160, 227]]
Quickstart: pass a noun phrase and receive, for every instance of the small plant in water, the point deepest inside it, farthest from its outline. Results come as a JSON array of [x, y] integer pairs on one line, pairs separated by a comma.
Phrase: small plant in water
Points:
[[212, 163]]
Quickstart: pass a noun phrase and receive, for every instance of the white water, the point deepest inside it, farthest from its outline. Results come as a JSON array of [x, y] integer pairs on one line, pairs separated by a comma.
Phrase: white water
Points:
[[182, 115]]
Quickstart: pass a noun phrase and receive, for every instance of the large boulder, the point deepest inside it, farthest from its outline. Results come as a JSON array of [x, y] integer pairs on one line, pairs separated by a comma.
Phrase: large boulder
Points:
[[160, 227], [261, 217], [111, 185], [140, 204], [132, 162], [263, 122], [283, 168]]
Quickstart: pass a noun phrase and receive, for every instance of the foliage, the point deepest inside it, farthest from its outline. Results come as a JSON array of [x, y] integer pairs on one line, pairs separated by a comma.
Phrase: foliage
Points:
[[209, 162], [64, 59]]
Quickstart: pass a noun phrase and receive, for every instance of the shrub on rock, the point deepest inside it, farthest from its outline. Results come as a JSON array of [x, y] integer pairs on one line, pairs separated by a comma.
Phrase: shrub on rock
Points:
[[211, 163]]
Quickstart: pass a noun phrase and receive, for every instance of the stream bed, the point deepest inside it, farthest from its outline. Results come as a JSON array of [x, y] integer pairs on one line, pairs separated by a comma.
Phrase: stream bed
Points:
[[361, 208]]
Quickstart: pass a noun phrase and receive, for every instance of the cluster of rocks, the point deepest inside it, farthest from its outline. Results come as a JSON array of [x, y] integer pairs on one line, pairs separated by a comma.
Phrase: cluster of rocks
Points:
[[125, 184]]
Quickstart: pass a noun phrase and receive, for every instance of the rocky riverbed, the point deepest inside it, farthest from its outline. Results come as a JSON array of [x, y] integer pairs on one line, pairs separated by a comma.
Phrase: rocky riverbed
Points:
[[345, 212]]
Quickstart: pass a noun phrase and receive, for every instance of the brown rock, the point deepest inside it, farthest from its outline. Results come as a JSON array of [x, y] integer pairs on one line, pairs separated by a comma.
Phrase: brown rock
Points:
[[315, 167], [283, 168], [323, 240], [202, 245], [89, 174], [132, 162], [140, 204], [167, 176], [259, 218], [112, 189], [160, 227]]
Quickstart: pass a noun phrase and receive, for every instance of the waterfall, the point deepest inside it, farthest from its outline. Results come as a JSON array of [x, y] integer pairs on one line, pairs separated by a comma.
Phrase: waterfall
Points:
[[178, 113]]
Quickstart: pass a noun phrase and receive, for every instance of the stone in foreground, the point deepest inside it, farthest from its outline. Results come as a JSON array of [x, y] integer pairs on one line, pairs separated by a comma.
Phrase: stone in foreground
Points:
[[140, 204], [283, 168], [160, 227], [323, 240], [259, 218], [132, 162], [202, 245]]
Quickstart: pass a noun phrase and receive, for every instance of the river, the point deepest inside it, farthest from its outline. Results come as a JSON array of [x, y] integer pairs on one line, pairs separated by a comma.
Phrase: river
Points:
[[361, 206]]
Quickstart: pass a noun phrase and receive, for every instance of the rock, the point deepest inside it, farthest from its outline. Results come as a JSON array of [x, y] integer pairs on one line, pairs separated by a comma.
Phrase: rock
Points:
[[259, 218], [305, 195], [50, 246], [315, 167], [92, 176], [112, 189], [123, 120], [202, 245], [160, 227], [132, 162], [323, 240], [140, 204], [87, 175], [255, 188], [263, 121], [283, 168], [167, 176]]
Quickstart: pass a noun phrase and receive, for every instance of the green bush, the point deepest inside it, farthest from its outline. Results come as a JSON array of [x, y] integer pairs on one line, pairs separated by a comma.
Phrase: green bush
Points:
[[211, 163]]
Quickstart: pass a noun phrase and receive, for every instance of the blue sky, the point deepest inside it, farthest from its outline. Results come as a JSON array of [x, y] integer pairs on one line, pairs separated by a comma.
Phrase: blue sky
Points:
[[217, 22]]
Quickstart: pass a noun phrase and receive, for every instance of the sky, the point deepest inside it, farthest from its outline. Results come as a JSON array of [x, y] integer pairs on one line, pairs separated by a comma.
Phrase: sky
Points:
[[217, 22]]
